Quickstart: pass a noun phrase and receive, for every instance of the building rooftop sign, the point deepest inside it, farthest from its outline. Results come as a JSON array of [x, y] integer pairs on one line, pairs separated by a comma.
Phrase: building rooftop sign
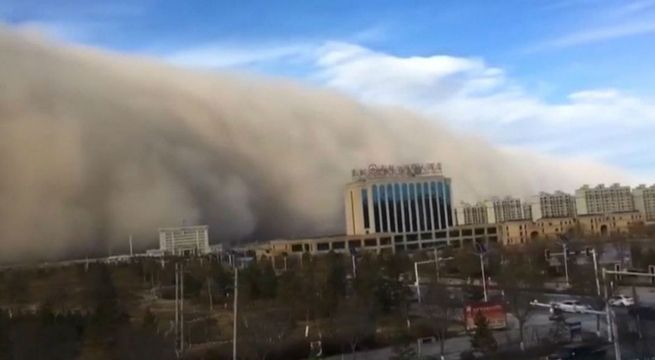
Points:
[[409, 170]]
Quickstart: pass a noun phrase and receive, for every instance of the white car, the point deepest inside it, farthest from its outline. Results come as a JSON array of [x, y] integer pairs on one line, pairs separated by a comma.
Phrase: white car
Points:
[[621, 300], [569, 306]]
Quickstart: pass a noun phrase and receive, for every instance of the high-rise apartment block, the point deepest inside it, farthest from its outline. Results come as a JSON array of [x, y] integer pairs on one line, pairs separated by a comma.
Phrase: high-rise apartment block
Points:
[[505, 209], [644, 200], [603, 200], [556, 205], [468, 214]]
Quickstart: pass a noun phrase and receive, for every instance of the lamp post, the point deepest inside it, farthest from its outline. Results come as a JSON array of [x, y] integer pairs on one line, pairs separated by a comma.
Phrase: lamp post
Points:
[[436, 261], [481, 251]]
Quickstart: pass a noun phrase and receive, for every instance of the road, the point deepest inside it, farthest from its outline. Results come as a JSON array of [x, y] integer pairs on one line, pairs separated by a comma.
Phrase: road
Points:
[[536, 329]]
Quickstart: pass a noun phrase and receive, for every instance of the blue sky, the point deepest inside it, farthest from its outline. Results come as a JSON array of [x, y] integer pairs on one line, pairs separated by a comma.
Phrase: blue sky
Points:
[[569, 78]]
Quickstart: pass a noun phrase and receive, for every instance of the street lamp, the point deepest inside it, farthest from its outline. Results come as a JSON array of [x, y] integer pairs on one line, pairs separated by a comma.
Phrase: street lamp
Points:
[[564, 242], [481, 250], [436, 261]]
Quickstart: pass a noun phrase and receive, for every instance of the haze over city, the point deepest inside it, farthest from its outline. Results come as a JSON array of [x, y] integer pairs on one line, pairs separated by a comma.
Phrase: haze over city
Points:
[[404, 180], [352, 94]]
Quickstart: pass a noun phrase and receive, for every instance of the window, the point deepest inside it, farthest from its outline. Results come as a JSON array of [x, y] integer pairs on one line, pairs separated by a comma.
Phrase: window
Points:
[[354, 244], [396, 239], [454, 233], [338, 245], [491, 230], [440, 234], [296, 247], [426, 236], [323, 246], [412, 237], [370, 243], [479, 231], [387, 240], [467, 232]]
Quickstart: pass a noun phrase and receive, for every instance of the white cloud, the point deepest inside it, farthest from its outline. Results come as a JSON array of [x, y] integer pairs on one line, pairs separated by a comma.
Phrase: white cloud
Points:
[[603, 124], [600, 34]]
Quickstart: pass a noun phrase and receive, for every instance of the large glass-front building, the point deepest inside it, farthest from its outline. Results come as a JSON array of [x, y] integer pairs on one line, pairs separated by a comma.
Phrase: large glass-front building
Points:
[[413, 202]]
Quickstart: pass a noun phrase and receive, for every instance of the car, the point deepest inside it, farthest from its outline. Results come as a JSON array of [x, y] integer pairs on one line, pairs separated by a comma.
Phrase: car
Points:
[[569, 306], [579, 352], [621, 300]]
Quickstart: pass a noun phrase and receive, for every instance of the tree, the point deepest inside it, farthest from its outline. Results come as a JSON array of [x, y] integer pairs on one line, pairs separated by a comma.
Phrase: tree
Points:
[[468, 264], [263, 330], [483, 339], [354, 322], [518, 274], [439, 306], [149, 320]]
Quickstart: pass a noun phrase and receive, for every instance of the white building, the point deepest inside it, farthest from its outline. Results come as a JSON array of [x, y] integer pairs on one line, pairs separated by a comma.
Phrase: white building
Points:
[[468, 214], [184, 240], [411, 201], [603, 200], [556, 205], [644, 200], [505, 209]]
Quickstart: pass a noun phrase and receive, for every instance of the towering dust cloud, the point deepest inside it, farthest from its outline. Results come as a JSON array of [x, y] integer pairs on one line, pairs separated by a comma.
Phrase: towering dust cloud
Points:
[[96, 146]]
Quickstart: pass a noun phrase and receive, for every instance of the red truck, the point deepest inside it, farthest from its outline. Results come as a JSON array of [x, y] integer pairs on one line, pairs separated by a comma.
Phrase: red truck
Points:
[[493, 311]]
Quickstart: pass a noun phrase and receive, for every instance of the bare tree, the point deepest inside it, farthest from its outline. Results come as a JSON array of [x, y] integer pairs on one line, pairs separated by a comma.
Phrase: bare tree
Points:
[[263, 330], [518, 274], [439, 306]]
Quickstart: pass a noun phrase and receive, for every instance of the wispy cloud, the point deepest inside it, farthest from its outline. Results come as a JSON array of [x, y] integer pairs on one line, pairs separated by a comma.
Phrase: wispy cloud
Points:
[[605, 124], [222, 55], [599, 34]]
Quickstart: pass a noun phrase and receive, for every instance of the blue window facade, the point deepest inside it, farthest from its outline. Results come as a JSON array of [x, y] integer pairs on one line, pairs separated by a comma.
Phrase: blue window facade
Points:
[[391, 208], [408, 226], [412, 205], [398, 206], [383, 208], [448, 205], [376, 208], [367, 220]]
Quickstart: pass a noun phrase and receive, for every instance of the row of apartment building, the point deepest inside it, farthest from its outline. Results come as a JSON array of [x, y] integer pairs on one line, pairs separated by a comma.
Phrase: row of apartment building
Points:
[[586, 201]]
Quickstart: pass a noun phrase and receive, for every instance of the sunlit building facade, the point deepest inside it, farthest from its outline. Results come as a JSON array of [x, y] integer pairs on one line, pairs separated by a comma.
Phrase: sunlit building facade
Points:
[[471, 214], [644, 199], [184, 240], [603, 200], [411, 201], [556, 205]]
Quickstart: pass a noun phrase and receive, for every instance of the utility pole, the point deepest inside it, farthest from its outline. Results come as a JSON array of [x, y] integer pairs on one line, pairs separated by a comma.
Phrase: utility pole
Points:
[[182, 309], [565, 250], [484, 280], [595, 258], [236, 303]]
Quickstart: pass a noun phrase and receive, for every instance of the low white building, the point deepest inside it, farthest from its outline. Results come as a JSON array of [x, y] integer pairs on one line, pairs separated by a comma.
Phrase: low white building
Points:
[[184, 240]]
